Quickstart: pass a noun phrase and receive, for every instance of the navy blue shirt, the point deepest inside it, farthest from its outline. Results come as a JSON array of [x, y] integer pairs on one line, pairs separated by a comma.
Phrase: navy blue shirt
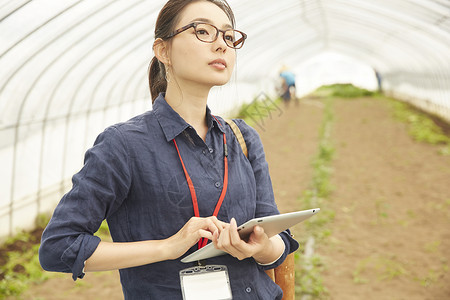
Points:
[[133, 177]]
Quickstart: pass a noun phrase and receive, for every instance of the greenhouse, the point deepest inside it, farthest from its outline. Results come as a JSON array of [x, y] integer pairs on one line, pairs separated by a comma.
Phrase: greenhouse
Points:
[[71, 68]]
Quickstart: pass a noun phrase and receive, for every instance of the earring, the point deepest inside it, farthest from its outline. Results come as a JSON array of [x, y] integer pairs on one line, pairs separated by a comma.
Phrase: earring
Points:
[[167, 76]]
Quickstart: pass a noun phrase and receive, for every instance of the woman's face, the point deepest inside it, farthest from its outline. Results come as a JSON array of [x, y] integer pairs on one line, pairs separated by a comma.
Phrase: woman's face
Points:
[[194, 61]]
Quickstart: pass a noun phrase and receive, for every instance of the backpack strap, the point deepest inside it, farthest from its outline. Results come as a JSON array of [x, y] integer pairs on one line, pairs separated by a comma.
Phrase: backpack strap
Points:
[[239, 136], [285, 273]]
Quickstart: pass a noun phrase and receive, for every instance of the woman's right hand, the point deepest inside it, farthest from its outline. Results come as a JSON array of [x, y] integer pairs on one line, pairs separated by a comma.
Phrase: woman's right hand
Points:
[[117, 255], [195, 229]]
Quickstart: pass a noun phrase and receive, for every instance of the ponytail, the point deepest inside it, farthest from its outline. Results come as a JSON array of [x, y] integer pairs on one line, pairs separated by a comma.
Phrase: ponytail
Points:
[[156, 78]]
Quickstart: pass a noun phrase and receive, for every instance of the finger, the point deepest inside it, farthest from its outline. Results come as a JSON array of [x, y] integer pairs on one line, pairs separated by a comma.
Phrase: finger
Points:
[[259, 232], [211, 225], [223, 239], [225, 242], [219, 224], [258, 237], [215, 238], [205, 234], [234, 234]]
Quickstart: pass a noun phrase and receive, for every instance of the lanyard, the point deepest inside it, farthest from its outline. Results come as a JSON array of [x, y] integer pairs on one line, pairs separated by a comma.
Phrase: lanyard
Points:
[[202, 242]]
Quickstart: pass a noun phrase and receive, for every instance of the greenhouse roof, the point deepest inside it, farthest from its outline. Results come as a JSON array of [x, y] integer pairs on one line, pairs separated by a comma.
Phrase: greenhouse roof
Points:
[[71, 67]]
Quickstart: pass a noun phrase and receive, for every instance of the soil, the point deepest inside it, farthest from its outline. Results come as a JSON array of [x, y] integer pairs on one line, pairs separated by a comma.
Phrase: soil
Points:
[[33, 237], [391, 232]]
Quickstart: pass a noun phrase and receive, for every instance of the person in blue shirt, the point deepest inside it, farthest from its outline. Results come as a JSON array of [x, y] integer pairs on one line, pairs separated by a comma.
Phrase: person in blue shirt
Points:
[[288, 86], [174, 177]]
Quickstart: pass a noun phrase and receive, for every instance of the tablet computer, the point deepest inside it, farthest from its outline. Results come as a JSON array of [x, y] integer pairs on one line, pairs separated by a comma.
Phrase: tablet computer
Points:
[[272, 225]]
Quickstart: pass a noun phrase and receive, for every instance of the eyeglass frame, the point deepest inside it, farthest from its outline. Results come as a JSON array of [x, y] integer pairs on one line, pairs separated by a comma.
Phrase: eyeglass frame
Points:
[[194, 25]]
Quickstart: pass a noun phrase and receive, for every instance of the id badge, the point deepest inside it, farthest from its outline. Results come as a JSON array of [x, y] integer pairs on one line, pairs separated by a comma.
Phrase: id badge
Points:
[[206, 282]]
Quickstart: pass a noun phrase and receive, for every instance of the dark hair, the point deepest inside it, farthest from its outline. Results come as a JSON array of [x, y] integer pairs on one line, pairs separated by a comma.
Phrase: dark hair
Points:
[[165, 25]]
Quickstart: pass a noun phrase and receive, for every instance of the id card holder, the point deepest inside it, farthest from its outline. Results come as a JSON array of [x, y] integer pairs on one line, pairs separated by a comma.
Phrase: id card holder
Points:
[[209, 282]]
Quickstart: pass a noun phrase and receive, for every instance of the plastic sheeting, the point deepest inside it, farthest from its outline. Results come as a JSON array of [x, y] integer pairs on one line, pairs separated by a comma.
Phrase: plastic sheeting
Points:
[[70, 68]]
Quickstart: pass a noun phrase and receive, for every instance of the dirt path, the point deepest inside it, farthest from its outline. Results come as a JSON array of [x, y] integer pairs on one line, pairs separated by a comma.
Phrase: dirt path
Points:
[[290, 141], [391, 234], [95, 286]]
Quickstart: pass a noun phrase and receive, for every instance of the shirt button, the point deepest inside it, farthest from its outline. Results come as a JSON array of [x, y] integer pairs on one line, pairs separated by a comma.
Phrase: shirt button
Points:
[[248, 289], [211, 150], [204, 151], [217, 184]]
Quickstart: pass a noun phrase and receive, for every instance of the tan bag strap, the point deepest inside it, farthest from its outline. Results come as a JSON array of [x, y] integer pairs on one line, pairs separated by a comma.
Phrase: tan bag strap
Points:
[[239, 136], [284, 274]]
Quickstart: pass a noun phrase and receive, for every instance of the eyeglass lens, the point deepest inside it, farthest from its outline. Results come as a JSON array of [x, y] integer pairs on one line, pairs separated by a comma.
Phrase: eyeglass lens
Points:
[[208, 33]]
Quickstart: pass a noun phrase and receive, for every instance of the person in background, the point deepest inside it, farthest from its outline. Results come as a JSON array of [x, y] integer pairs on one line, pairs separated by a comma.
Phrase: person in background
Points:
[[379, 81], [172, 178], [288, 86]]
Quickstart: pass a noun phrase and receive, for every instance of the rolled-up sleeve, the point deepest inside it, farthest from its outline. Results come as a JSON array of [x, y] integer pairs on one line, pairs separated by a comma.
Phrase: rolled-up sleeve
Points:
[[98, 190], [265, 200]]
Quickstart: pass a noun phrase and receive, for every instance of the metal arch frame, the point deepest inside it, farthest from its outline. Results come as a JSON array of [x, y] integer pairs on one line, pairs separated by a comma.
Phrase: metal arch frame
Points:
[[418, 31], [291, 51], [86, 78], [74, 96], [327, 39], [14, 10], [263, 26], [353, 41], [364, 22], [94, 93], [20, 67], [399, 24], [439, 74], [17, 124], [334, 19], [39, 27], [93, 96], [423, 33], [380, 10], [286, 55], [69, 116], [132, 77], [289, 45]]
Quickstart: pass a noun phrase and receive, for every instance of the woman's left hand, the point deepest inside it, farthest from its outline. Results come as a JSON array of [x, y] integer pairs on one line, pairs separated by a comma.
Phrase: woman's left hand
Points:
[[258, 246]]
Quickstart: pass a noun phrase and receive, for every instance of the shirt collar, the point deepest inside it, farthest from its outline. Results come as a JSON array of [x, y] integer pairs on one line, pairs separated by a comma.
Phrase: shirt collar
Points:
[[172, 123]]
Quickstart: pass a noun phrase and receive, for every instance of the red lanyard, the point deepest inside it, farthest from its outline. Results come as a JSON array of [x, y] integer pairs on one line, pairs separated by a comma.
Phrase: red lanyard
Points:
[[202, 242]]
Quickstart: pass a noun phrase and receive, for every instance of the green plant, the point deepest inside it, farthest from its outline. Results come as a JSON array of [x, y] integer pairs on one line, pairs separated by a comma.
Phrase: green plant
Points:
[[308, 277], [385, 268], [21, 266], [381, 209], [261, 108], [357, 273], [432, 247], [345, 90], [42, 220], [420, 126], [430, 278], [19, 260], [103, 231]]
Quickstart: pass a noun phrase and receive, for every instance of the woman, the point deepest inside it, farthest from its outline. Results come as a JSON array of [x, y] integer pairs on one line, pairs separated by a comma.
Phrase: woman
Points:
[[136, 176]]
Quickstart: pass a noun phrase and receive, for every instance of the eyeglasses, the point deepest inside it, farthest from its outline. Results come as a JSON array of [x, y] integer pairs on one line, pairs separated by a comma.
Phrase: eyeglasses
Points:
[[208, 33]]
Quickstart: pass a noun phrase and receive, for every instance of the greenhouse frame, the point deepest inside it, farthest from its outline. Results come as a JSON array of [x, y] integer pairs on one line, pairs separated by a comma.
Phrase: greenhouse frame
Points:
[[70, 68]]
